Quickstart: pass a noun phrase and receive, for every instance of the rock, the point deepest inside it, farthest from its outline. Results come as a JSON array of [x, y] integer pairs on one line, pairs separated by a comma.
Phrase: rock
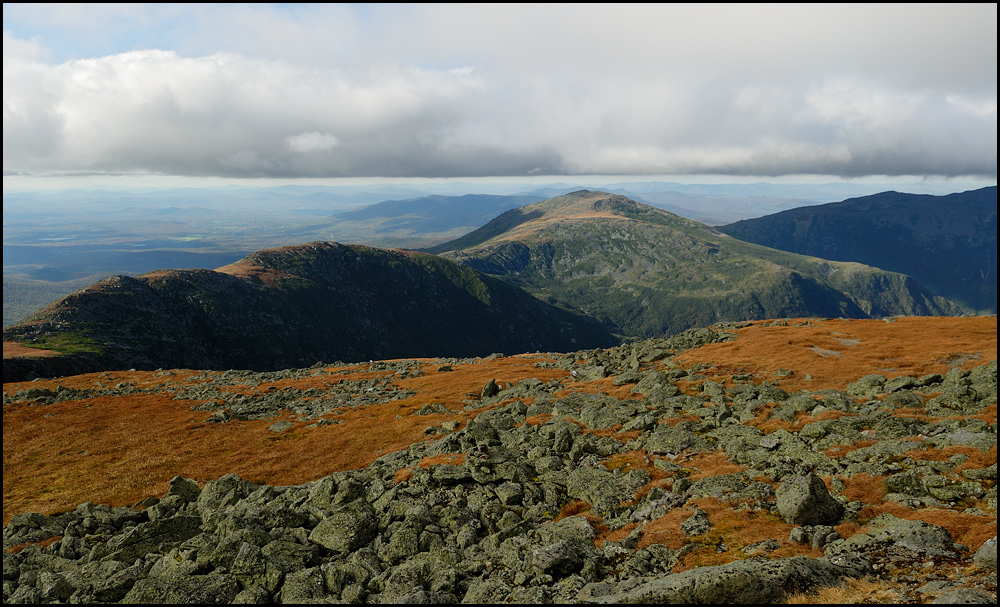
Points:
[[803, 499], [986, 556], [144, 538], [916, 536], [559, 559], [567, 528], [190, 590], [869, 385], [347, 529], [224, 491], [747, 581], [697, 523], [251, 568], [490, 389], [965, 596], [184, 488]]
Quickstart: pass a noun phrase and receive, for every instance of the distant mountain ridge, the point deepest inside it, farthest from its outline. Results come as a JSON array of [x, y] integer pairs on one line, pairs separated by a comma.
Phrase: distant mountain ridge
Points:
[[295, 306], [646, 272], [948, 243]]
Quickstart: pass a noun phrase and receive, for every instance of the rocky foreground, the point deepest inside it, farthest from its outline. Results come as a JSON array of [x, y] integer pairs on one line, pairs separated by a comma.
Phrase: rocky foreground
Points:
[[671, 483]]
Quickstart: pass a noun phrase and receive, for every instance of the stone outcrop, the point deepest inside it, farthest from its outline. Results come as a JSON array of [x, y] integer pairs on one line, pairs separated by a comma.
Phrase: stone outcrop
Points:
[[528, 514]]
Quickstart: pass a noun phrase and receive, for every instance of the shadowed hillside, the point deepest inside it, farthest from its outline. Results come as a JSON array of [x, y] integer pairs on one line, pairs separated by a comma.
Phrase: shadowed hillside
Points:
[[948, 243], [295, 306]]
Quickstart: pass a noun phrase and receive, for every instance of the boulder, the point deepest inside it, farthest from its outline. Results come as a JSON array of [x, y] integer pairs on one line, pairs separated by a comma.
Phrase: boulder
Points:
[[965, 596], [746, 581], [986, 556], [804, 500], [347, 529]]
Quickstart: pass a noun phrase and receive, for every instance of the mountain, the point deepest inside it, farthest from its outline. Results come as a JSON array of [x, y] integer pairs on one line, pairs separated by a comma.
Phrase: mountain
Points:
[[948, 243], [645, 272], [294, 306]]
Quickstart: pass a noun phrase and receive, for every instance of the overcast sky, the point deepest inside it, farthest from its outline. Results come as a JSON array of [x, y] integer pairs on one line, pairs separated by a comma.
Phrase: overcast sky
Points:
[[286, 91]]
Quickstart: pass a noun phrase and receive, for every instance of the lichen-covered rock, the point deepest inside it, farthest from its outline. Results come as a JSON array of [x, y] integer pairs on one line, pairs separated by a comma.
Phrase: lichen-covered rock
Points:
[[144, 538], [224, 491], [986, 556], [965, 596], [869, 385], [804, 500], [747, 581], [190, 590], [917, 536], [697, 523], [347, 529]]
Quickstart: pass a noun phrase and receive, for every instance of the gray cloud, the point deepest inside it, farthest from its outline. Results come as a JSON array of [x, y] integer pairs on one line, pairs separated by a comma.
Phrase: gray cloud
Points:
[[461, 91]]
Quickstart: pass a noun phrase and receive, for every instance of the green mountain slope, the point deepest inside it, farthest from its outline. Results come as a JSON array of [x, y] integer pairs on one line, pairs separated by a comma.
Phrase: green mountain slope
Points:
[[948, 243], [294, 306], [645, 272]]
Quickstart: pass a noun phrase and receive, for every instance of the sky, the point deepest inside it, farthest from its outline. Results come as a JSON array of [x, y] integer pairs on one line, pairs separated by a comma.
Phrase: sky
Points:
[[305, 92]]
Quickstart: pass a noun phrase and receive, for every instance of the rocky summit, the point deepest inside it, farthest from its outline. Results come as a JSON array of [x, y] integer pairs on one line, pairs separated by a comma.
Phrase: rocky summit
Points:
[[753, 462]]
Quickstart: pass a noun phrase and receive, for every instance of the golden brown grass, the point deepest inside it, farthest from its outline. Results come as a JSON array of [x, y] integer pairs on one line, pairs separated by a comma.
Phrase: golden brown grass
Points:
[[907, 346], [733, 525], [120, 449], [853, 591], [13, 350], [117, 450]]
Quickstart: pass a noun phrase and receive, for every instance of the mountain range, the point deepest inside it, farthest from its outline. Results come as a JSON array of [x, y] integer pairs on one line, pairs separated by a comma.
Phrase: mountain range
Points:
[[645, 272], [587, 269], [948, 243]]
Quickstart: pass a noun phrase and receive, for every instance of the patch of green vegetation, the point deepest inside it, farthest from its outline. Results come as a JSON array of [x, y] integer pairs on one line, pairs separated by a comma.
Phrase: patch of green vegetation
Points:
[[68, 342]]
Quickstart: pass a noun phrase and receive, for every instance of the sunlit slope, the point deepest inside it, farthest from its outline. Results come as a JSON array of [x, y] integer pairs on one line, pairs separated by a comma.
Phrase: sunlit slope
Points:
[[645, 272]]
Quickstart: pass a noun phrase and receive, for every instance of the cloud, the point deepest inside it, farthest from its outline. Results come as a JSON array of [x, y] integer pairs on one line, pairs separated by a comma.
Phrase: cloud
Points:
[[448, 91], [312, 141]]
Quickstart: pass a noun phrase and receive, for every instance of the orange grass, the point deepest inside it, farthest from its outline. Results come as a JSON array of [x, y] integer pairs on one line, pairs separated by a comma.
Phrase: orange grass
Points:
[[851, 591], [977, 459], [42, 544], [864, 488], [711, 463], [120, 449], [906, 346], [736, 527]]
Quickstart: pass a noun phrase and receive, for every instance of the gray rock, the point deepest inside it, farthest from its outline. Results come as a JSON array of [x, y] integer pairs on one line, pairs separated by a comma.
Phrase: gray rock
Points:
[[986, 556], [347, 529], [559, 559], [697, 523], [251, 568], [965, 596], [154, 536], [916, 536], [184, 488], [191, 590], [869, 385], [224, 491], [804, 499], [746, 581], [567, 528]]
